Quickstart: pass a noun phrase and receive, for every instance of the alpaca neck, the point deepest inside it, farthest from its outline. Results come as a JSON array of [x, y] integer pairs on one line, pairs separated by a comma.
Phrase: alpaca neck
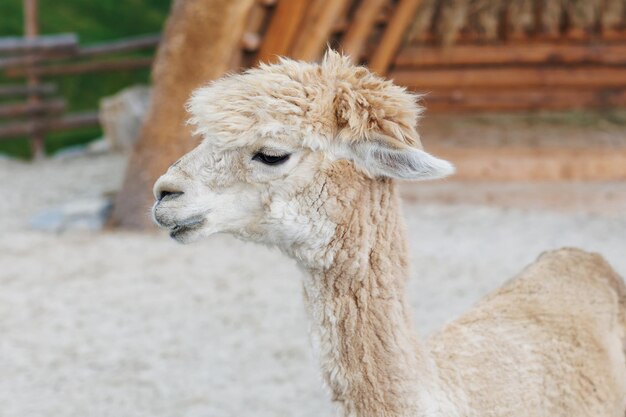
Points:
[[370, 356]]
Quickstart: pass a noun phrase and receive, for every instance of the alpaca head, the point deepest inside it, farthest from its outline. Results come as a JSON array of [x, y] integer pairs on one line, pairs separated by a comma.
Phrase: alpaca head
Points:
[[278, 140]]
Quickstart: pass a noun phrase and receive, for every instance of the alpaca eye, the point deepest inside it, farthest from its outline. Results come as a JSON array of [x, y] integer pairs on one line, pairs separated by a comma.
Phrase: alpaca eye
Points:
[[270, 159]]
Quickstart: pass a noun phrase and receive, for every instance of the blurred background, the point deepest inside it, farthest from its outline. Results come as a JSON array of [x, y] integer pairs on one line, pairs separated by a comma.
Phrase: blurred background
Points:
[[100, 315]]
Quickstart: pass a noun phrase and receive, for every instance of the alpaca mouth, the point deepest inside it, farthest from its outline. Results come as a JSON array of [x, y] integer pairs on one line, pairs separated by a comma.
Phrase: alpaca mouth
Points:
[[186, 226]]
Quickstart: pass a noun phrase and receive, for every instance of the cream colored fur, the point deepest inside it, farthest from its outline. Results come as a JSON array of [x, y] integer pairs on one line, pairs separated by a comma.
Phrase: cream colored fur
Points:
[[549, 343]]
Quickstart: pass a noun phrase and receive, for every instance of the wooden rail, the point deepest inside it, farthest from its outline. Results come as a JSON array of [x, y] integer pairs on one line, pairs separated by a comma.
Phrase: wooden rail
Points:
[[523, 100], [506, 54], [83, 67], [118, 46], [70, 121], [39, 108], [44, 43], [19, 90], [122, 45], [516, 77]]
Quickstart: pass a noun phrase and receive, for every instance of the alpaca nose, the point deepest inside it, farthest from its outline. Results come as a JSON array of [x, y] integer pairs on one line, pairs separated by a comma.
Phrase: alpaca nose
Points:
[[165, 189]]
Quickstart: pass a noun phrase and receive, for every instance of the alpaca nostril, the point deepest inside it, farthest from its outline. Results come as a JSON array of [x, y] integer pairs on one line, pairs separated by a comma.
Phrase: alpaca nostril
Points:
[[167, 187], [169, 194]]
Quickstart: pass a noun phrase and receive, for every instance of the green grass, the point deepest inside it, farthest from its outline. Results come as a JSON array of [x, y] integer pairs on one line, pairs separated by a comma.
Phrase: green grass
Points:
[[93, 21]]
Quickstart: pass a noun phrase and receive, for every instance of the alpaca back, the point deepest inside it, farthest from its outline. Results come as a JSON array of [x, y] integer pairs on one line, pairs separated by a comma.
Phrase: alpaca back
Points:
[[550, 342]]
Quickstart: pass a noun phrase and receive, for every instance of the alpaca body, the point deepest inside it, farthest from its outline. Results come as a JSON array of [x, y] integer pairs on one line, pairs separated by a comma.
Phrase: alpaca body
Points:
[[548, 343], [304, 157], [561, 319]]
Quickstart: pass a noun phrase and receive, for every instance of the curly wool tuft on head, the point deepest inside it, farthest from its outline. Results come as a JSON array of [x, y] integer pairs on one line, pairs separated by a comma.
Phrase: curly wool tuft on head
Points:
[[316, 104]]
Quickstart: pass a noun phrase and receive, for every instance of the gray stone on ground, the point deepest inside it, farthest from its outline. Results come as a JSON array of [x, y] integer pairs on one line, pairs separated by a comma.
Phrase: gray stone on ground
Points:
[[87, 214], [122, 114], [95, 147], [99, 146]]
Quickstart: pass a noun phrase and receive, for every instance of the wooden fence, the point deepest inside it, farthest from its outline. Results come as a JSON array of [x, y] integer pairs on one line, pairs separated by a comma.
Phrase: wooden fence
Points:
[[39, 110]]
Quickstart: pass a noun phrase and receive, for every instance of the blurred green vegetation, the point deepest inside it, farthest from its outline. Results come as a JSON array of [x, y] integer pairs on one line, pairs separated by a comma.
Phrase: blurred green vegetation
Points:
[[93, 21]]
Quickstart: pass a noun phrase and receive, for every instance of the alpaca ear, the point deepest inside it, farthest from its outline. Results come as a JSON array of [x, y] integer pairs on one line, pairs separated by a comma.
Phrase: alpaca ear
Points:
[[387, 157]]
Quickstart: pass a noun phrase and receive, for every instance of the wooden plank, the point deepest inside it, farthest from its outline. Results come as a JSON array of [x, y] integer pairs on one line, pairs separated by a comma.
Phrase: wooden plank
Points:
[[524, 100], [317, 28], [535, 164], [121, 45], [392, 37], [66, 45], [589, 197], [69, 122], [282, 29], [364, 19], [516, 54], [518, 77], [606, 37], [32, 108], [84, 67], [27, 60], [61, 42], [20, 90], [613, 35], [117, 46]]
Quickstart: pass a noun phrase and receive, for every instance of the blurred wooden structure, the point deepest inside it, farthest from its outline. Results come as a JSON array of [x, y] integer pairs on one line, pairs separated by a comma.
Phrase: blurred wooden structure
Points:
[[467, 55]]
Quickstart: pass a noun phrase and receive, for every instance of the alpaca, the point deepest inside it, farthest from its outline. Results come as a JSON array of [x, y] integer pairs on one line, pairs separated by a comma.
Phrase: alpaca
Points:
[[305, 157]]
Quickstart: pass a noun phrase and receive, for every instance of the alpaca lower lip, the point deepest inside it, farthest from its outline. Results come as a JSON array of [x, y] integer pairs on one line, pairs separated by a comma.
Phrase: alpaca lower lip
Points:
[[185, 227]]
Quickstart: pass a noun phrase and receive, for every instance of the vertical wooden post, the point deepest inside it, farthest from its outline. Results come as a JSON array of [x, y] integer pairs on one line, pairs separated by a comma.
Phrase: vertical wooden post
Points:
[[392, 37], [31, 30], [355, 38], [283, 28], [316, 28]]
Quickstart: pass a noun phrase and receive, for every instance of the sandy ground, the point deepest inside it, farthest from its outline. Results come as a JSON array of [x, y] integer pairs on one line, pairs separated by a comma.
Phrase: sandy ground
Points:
[[126, 324]]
